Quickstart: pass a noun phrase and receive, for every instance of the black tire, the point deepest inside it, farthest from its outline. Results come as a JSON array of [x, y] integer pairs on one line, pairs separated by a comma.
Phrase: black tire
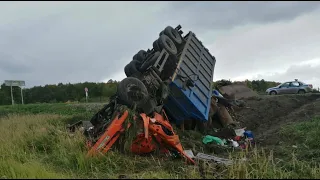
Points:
[[127, 70], [301, 91], [166, 43], [162, 32], [150, 62], [173, 35], [140, 56], [131, 91], [156, 46], [273, 93], [134, 66]]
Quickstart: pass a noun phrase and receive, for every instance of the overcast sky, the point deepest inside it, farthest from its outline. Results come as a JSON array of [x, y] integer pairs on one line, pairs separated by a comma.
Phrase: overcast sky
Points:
[[51, 42]]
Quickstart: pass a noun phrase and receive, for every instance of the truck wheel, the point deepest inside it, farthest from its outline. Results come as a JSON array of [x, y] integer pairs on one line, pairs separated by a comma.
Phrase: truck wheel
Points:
[[166, 43], [127, 70], [161, 33], [131, 91], [173, 34], [150, 62], [140, 56], [156, 46], [134, 66]]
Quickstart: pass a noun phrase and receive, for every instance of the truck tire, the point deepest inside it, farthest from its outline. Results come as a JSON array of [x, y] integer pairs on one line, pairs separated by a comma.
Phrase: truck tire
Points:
[[150, 62], [161, 33], [140, 56], [127, 70], [135, 66], [166, 43], [132, 68], [156, 46], [173, 34], [131, 91]]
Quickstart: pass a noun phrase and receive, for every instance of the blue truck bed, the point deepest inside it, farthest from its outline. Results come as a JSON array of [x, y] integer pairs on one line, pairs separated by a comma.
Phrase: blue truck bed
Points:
[[196, 62]]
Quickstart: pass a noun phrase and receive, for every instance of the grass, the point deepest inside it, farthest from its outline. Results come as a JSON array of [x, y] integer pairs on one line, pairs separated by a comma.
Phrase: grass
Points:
[[35, 144]]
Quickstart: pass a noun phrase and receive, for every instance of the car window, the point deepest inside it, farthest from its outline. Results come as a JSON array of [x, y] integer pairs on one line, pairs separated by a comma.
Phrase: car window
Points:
[[295, 84], [302, 83], [286, 84]]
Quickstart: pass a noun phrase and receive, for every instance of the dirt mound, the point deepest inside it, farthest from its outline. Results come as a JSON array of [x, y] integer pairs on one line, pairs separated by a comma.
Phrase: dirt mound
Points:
[[264, 115], [238, 91]]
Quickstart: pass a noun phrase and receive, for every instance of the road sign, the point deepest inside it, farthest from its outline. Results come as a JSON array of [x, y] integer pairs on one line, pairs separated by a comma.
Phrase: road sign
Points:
[[14, 83]]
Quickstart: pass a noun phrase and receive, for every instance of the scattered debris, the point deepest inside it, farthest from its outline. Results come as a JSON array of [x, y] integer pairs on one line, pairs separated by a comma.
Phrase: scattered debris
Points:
[[207, 139], [189, 153], [240, 132], [215, 159]]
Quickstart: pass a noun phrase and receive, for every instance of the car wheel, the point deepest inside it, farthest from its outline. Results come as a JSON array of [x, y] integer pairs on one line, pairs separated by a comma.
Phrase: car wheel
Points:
[[173, 34], [273, 93], [301, 91], [166, 43], [131, 91]]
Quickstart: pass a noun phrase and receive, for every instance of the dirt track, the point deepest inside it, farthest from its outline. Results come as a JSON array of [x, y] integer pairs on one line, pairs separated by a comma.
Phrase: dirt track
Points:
[[265, 115]]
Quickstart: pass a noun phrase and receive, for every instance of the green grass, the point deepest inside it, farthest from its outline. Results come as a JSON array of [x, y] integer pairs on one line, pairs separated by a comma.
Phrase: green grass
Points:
[[303, 139], [35, 144]]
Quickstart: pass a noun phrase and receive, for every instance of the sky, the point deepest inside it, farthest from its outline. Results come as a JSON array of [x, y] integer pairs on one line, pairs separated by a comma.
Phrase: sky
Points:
[[51, 42]]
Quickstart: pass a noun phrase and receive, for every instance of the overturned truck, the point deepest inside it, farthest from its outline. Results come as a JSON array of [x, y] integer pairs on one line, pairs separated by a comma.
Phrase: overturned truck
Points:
[[177, 72], [170, 82]]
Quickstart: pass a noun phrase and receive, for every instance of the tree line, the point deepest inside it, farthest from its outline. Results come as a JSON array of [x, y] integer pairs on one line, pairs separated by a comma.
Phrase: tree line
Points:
[[98, 92], [53, 93]]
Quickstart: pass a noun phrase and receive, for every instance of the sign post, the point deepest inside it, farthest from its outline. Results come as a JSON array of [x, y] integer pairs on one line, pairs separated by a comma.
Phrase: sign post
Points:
[[86, 90], [13, 83], [12, 101], [21, 95]]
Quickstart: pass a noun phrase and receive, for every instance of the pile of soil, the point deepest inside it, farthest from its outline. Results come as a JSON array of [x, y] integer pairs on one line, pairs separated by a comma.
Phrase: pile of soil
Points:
[[265, 115]]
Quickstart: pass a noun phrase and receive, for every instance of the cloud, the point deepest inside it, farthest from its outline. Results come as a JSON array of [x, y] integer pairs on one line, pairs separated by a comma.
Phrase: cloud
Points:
[[267, 48], [307, 72], [225, 15], [92, 41]]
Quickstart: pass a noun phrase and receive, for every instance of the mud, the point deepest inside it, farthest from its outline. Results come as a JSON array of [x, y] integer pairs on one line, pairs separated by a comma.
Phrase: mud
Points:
[[265, 115]]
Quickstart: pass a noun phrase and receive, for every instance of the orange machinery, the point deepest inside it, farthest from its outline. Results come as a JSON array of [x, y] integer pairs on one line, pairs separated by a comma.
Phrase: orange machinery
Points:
[[157, 133]]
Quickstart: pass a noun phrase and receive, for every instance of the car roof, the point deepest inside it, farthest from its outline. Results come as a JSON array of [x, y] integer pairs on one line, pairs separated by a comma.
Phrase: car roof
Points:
[[294, 81]]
